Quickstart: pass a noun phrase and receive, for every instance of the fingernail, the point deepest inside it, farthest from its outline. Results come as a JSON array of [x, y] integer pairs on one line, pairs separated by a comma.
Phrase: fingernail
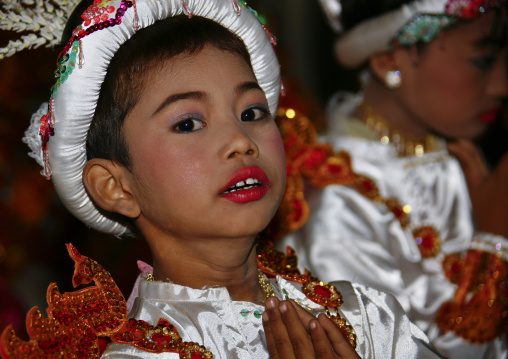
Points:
[[283, 307], [270, 303], [313, 324], [264, 317]]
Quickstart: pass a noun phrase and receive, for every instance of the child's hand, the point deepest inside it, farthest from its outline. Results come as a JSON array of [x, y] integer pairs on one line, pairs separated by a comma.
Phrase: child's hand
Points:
[[291, 332], [488, 189]]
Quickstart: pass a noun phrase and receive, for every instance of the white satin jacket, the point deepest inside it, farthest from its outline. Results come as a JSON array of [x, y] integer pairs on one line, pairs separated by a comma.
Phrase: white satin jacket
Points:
[[209, 317], [351, 238]]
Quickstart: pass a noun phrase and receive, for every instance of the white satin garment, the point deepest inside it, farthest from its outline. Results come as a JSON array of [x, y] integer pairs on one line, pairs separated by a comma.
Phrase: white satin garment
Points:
[[209, 317], [349, 237]]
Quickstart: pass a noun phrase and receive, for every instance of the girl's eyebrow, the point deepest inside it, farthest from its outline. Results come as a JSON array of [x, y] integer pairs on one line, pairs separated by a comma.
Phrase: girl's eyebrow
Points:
[[197, 95], [246, 86], [487, 41]]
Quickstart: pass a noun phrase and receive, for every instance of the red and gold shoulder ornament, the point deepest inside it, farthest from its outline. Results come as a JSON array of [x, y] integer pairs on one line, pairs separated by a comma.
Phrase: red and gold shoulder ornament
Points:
[[79, 324]]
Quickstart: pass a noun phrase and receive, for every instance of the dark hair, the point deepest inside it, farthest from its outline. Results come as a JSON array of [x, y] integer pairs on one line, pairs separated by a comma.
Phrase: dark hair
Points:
[[357, 11], [146, 51]]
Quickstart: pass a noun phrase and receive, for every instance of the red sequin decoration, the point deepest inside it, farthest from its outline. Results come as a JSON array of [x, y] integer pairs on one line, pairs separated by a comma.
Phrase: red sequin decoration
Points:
[[324, 294], [97, 12], [46, 130], [162, 338], [428, 241], [322, 291], [478, 311], [470, 9], [75, 320]]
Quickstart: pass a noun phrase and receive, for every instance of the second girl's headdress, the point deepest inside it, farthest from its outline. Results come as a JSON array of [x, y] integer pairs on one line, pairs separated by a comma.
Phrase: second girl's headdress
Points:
[[58, 133], [416, 21]]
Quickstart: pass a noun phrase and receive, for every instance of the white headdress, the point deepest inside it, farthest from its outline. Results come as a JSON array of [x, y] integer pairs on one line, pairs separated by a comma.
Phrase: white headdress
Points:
[[58, 133], [419, 20]]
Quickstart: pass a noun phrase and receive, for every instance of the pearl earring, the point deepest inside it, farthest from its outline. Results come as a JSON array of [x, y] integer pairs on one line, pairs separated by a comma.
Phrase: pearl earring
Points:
[[393, 79]]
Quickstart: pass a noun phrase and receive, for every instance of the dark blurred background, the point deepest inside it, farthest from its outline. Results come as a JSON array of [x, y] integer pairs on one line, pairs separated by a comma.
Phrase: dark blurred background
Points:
[[34, 225]]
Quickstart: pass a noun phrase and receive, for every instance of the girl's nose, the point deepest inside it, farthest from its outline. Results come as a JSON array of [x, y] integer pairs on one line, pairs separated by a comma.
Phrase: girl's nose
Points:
[[498, 84], [238, 142]]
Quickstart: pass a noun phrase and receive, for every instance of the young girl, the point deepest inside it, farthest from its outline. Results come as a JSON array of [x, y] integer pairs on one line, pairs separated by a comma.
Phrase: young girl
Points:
[[392, 209], [160, 124]]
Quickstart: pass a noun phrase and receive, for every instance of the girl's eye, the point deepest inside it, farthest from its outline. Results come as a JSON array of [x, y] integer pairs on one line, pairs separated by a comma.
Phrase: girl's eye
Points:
[[484, 63], [189, 125], [254, 114]]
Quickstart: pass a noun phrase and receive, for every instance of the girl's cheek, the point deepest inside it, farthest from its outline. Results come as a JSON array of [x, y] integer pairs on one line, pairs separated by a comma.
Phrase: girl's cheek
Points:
[[279, 153], [276, 144]]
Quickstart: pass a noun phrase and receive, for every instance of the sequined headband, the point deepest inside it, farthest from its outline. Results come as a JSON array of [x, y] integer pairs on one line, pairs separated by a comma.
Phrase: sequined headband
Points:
[[58, 132], [417, 21]]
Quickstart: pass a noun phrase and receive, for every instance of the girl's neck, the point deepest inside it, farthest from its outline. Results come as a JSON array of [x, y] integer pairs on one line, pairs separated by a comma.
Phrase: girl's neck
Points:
[[229, 263], [393, 111]]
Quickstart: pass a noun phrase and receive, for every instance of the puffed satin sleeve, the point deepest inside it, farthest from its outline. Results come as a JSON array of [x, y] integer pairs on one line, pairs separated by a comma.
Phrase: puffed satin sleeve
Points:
[[387, 331], [352, 238], [382, 328]]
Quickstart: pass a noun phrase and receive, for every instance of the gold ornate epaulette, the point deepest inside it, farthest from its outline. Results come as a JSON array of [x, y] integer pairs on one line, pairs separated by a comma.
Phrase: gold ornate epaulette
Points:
[[75, 320], [78, 319]]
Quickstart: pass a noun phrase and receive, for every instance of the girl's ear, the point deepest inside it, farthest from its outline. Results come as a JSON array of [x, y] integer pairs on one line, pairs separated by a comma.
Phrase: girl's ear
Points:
[[382, 63], [107, 183]]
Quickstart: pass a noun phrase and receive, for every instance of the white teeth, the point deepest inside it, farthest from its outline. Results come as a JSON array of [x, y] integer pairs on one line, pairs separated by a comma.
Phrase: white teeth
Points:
[[248, 183]]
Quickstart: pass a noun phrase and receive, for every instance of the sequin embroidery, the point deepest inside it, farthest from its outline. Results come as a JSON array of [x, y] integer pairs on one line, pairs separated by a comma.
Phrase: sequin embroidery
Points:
[[75, 320], [272, 262], [478, 310]]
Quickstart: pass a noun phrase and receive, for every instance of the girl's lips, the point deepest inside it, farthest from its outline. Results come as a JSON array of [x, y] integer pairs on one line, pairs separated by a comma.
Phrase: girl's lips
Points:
[[246, 195], [489, 116], [252, 193]]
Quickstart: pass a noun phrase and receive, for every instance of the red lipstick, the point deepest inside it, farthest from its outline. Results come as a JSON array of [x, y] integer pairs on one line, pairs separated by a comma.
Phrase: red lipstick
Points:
[[246, 185], [489, 116]]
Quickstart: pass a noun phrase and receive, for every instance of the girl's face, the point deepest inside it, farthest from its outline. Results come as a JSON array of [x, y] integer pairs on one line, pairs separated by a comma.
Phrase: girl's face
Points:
[[455, 85], [207, 156]]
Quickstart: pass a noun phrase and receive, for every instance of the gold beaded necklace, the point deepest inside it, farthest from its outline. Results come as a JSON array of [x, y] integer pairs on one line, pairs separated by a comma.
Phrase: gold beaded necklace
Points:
[[265, 284], [405, 144]]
